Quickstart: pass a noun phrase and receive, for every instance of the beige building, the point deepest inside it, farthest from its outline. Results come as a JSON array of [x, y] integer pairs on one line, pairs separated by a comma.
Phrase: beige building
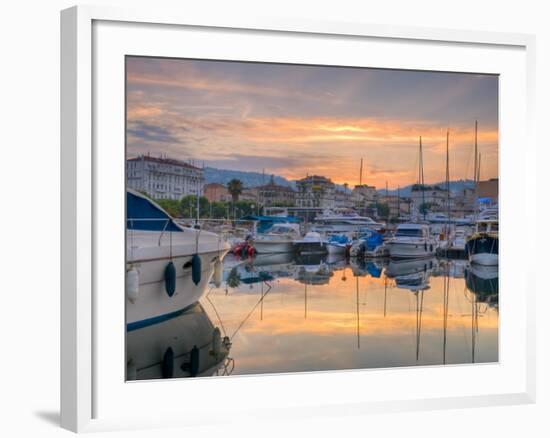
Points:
[[164, 178], [273, 194], [488, 189], [315, 192], [363, 195], [397, 205], [216, 192]]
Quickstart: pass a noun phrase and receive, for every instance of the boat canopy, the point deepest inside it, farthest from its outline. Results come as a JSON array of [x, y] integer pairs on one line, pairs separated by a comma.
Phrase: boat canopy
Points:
[[265, 222], [144, 214]]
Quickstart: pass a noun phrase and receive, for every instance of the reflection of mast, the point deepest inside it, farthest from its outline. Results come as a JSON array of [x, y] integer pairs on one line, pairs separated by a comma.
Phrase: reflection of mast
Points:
[[357, 310], [385, 293], [305, 300], [418, 321], [445, 312], [262, 304], [474, 326]]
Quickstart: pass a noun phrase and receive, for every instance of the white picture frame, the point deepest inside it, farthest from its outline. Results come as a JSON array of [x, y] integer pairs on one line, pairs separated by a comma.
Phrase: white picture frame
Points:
[[93, 397]]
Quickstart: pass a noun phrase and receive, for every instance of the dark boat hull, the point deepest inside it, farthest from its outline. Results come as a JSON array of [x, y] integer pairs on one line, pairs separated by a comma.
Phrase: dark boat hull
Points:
[[483, 249]]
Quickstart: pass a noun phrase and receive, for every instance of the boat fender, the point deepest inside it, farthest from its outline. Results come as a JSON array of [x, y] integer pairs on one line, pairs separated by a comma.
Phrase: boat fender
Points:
[[132, 284], [194, 370], [425, 246], [218, 273], [170, 279], [196, 269], [251, 251], [216, 342], [168, 364]]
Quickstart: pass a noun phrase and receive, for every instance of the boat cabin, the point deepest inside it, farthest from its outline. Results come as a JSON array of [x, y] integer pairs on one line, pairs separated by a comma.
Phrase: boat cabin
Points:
[[413, 230], [487, 226]]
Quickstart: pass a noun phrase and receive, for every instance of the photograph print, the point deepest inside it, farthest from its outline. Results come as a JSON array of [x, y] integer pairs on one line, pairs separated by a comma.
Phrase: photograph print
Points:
[[285, 218]]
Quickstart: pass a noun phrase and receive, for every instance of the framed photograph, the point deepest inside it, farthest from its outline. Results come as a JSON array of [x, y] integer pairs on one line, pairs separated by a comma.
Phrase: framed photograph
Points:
[[266, 207]]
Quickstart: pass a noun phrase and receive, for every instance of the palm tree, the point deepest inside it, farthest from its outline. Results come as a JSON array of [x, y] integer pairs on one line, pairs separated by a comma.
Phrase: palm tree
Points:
[[235, 188]]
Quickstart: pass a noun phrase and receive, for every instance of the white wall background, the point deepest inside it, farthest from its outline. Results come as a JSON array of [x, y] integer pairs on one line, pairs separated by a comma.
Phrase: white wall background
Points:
[[29, 216]]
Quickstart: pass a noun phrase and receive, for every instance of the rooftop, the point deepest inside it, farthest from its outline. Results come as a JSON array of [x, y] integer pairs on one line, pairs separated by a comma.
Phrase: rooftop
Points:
[[161, 160]]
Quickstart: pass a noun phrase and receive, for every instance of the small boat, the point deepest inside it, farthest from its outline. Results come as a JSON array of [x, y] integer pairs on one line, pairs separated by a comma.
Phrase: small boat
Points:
[[412, 241], [277, 239], [459, 240], [312, 243], [370, 244], [482, 246], [338, 244], [167, 266]]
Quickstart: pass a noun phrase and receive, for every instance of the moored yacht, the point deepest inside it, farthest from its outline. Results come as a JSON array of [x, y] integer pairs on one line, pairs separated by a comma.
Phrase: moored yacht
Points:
[[167, 266], [343, 220], [312, 243], [412, 241], [482, 246], [338, 244], [277, 239]]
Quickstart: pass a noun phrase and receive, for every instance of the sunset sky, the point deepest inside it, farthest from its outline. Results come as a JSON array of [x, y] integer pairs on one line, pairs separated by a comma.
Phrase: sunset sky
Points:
[[292, 120]]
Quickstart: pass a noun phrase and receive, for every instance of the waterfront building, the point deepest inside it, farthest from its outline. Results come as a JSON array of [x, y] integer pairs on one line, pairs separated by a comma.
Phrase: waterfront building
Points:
[[397, 205], [216, 192], [275, 194], [249, 194], [488, 190], [434, 196], [315, 192], [342, 198], [363, 195], [164, 178]]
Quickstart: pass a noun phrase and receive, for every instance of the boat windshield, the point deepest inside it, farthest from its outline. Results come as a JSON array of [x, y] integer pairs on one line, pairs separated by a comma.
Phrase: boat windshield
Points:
[[409, 232], [277, 229]]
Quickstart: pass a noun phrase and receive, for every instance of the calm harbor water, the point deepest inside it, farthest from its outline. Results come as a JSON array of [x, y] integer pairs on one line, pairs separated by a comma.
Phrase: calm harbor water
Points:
[[288, 314]]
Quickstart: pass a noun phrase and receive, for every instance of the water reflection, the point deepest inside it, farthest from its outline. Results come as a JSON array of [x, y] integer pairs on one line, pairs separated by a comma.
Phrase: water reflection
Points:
[[183, 345], [281, 313]]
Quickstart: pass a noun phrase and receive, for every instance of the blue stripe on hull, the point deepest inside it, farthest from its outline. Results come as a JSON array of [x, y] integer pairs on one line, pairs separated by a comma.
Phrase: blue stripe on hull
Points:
[[157, 319]]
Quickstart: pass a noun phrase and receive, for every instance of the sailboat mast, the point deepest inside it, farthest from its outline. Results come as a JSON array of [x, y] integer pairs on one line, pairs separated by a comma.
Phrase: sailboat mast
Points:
[[479, 168], [448, 187], [475, 172], [421, 178], [361, 173]]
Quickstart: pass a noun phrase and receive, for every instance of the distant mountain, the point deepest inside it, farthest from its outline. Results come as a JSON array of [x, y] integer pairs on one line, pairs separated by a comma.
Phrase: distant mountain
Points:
[[253, 179], [249, 179], [455, 186]]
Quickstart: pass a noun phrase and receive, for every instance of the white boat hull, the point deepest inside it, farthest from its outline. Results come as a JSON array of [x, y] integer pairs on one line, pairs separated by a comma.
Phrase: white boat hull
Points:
[[411, 250], [270, 247], [484, 259], [336, 249], [152, 302]]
